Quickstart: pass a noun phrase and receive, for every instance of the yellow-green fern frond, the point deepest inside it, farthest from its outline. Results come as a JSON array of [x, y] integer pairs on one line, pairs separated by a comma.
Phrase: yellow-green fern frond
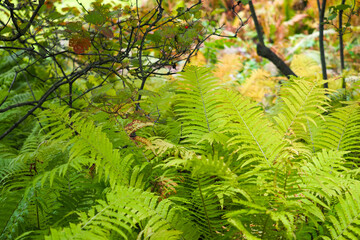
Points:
[[344, 220], [326, 174], [199, 195], [341, 131], [301, 101], [210, 165], [126, 210], [199, 108], [88, 145], [259, 85], [252, 135], [305, 66]]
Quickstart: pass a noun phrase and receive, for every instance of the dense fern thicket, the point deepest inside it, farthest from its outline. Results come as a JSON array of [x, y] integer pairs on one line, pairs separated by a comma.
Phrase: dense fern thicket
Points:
[[197, 161]]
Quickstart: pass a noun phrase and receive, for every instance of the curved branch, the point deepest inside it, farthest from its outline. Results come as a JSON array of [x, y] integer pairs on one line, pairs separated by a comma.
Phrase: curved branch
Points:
[[266, 52], [26, 28], [18, 105]]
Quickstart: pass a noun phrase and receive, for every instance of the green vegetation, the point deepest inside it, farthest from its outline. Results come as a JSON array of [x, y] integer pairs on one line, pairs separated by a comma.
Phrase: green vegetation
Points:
[[116, 124]]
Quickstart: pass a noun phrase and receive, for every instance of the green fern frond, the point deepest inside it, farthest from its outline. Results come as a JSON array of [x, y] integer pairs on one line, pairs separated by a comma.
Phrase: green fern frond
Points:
[[301, 101], [201, 197], [341, 131], [210, 165], [252, 135], [74, 231], [327, 174], [88, 145], [125, 210], [198, 107], [25, 212], [257, 222], [12, 206], [344, 220]]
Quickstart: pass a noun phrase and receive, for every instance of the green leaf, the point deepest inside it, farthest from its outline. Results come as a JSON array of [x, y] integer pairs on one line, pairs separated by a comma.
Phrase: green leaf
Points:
[[5, 30], [74, 26], [95, 17], [54, 15], [343, 7], [332, 16]]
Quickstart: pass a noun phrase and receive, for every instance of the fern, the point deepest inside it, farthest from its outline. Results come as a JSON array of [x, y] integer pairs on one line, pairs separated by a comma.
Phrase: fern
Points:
[[252, 135], [124, 208], [214, 165], [305, 66], [198, 195], [301, 100], [341, 131], [87, 140], [344, 220], [198, 108], [327, 175]]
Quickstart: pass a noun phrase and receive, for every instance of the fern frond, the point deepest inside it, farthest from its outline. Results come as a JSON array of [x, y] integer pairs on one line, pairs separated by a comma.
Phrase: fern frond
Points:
[[252, 135], [259, 86], [344, 220], [25, 212], [125, 207], [11, 220], [198, 107], [257, 222], [327, 174], [161, 148], [341, 131], [201, 197], [305, 66], [88, 145], [301, 101], [210, 165]]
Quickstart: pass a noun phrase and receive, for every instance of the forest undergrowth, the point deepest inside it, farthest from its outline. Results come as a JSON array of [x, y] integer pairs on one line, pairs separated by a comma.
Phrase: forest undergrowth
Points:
[[104, 135]]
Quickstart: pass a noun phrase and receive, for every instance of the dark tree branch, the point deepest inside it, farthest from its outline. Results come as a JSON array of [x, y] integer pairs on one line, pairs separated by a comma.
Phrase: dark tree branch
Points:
[[31, 103], [41, 101], [341, 33], [31, 111], [9, 90], [131, 43], [21, 32], [341, 42], [266, 52], [321, 39]]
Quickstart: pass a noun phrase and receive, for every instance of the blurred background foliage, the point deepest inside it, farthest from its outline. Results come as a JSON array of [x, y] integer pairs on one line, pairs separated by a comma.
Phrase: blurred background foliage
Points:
[[290, 29]]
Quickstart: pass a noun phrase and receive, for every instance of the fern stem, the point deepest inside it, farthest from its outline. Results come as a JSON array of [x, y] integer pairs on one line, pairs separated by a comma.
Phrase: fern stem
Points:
[[90, 220], [343, 130], [298, 111], [286, 178], [264, 228], [252, 135], [311, 136], [37, 211], [205, 211], [202, 100]]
